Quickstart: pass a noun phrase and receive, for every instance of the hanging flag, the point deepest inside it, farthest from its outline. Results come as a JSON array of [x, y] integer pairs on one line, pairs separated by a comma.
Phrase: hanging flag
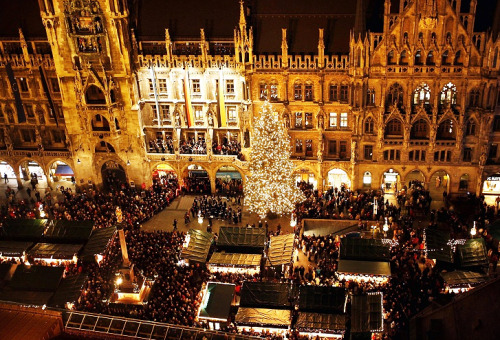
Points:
[[153, 80], [221, 101], [47, 93], [187, 99], [21, 117]]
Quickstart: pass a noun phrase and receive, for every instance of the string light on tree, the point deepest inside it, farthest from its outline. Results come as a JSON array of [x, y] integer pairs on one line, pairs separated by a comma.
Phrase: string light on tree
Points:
[[270, 188]]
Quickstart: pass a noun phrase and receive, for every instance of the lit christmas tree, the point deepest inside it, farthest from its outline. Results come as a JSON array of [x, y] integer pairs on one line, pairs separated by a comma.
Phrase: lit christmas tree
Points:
[[270, 188]]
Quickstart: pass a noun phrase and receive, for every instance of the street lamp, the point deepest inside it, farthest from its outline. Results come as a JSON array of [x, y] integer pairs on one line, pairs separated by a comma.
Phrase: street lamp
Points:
[[293, 221], [200, 217], [473, 231], [385, 228]]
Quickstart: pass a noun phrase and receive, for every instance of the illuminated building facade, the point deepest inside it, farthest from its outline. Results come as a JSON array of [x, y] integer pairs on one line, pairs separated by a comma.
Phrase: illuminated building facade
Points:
[[115, 86]]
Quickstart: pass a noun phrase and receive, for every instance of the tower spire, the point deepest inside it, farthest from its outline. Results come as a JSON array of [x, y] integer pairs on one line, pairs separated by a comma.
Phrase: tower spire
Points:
[[359, 21], [243, 21]]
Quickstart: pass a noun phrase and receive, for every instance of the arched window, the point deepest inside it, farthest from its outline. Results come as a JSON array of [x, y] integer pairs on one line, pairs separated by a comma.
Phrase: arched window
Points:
[[395, 95], [403, 58], [94, 95], [422, 95], [474, 97], [459, 60], [418, 57], [104, 147], [446, 130], [430, 58], [420, 130], [471, 127], [394, 128], [448, 94], [369, 125], [100, 123], [391, 59]]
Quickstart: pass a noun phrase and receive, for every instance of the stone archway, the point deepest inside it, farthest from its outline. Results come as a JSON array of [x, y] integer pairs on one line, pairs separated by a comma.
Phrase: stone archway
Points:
[[439, 182], [164, 169], [415, 177], [61, 173], [305, 176], [196, 180], [7, 169], [338, 178], [113, 175]]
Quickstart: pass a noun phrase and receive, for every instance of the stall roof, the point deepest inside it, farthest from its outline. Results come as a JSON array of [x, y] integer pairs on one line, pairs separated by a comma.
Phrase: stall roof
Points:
[[69, 231], [26, 297], [322, 299], [69, 291], [265, 294], [239, 260], [320, 321], [23, 229], [380, 268], [19, 322], [281, 249], [54, 251], [436, 242], [354, 248], [14, 248], [198, 247], [263, 316], [98, 242], [36, 278], [366, 313], [242, 237], [323, 227], [473, 253], [218, 301], [461, 278]]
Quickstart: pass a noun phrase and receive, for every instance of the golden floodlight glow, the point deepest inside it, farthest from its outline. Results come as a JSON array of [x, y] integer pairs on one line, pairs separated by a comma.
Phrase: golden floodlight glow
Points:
[[270, 187]]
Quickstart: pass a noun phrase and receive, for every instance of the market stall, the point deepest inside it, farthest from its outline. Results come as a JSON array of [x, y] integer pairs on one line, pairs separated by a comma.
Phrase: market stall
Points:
[[473, 253], [196, 246], [69, 291], [321, 311], [242, 239], [364, 260], [55, 252], [23, 229], [14, 250], [235, 263], [276, 321], [321, 227], [438, 245], [266, 294], [65, 231], [460, 281], [367, 313], [216, 304], [98, 243]]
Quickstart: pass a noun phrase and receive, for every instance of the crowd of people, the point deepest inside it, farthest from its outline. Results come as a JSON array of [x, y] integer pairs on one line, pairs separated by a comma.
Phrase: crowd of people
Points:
[[192, 146], [196, 185], [226, 148], [212, 207], [229, 187], [162, 145]]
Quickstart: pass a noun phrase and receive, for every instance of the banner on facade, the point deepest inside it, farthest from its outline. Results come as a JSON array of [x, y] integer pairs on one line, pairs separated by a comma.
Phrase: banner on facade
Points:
[[221, 102], [187, 100], [21, 117], [47, 93]]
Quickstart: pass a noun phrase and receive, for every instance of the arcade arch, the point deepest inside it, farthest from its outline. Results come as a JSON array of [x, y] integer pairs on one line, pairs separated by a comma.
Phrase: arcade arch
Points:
[[196, 180], [164, 170], [305, 175], [439, 183], [6, 168], [415, 177], [391, 181], [33, 173], [113, 175], [229, 181], [338, 178], [61, 173]]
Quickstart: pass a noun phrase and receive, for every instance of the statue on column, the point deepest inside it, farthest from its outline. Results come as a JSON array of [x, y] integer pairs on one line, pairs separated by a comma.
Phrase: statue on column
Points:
[[353, 152], [320, 150], [7, 140], [321, 122]]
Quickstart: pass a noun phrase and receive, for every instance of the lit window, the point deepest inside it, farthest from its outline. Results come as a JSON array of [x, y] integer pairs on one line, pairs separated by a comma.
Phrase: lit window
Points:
[[165, 112], [297, 91], [274, 92], [23, 84], [162, 85], [333, 119], [298, 119], [196, 86], [231, 113], [230, 86], [343, 119], [151, 86], [367, 178], [198, 112]]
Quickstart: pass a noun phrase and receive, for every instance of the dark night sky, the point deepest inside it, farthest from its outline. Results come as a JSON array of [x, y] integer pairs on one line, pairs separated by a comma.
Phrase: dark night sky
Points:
[[185, 18]]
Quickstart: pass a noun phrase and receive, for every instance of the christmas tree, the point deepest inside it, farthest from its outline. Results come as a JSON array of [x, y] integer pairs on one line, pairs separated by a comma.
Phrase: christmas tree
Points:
[[270, 188]]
